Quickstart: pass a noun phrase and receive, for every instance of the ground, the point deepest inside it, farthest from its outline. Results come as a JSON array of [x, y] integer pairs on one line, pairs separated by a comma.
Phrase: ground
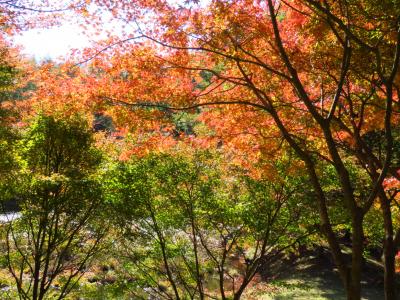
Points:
[[314, 277]]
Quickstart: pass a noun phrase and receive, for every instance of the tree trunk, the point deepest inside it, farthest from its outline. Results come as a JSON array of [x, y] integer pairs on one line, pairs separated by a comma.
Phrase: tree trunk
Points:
[[389, 250], [238, 294], [390, 273], [353, 286]]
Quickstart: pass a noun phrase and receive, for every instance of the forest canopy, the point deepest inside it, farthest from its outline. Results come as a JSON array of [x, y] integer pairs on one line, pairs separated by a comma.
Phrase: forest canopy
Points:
[[201, 149]]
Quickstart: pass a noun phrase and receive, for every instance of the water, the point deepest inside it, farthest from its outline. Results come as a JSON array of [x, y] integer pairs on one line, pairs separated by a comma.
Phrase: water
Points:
[[4, 218]]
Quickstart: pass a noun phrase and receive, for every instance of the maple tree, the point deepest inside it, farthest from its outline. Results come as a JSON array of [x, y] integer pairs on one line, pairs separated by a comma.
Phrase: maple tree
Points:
[[189, 222], [319, 77], [19, 15], [53, 241], [324, 73]]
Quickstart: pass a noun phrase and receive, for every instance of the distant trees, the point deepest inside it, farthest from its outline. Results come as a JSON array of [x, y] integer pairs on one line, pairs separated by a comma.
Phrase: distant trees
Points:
[[10, 78], [8, 81]]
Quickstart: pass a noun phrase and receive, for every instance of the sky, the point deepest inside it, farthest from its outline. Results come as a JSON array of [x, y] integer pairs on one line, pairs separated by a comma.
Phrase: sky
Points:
[[53, 42], [57, 42]]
